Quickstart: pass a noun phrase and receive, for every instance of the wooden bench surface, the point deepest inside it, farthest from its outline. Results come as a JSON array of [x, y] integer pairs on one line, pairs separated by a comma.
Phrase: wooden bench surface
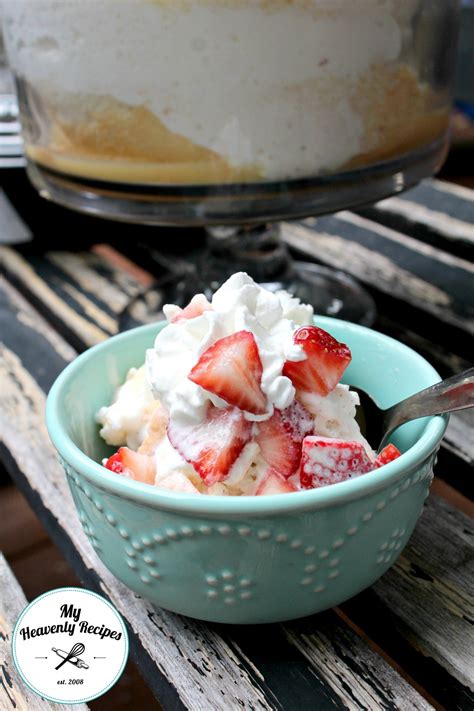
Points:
[[407, 642]]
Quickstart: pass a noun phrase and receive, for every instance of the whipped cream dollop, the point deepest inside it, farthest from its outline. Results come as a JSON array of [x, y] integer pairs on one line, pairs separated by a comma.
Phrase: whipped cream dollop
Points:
[[240, 304]]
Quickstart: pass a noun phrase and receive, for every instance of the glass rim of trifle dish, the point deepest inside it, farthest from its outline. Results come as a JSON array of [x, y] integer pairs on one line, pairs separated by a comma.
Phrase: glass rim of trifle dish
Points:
[[249, 202]]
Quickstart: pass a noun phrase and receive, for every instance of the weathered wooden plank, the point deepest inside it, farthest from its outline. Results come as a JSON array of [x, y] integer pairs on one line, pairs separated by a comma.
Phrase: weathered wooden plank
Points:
[[82, 293], [422, 610], [455, 193], [456, 456], [374, 687], [208, 671], [45, 296], [459, 439], [433, 600], [452, 199], [336, 651], [76, 288], [410, 217], [451, 228], [124, 264], [368, 612], [14, 694], [435, 211], [453, 496], [425, 279], [437, 353]]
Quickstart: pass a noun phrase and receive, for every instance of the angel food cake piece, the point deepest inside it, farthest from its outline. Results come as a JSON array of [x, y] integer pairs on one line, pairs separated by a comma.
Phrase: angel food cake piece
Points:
[[239, 396]]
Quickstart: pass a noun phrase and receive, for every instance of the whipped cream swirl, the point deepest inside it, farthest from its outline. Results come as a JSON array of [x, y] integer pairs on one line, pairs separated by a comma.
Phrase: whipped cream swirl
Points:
[[240, 304]]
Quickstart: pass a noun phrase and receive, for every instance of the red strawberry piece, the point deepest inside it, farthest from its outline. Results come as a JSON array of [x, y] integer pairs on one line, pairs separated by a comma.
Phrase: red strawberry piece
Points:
[[115, 464], [213, 445], [196, 307], [273, 483], [327, 461], [388, 454], [326, 361], [132, 465], [281, 436], [231, 368]]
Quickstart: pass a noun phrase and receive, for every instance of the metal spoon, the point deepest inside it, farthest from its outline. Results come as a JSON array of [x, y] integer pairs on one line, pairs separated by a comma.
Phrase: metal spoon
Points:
[[455, 393]]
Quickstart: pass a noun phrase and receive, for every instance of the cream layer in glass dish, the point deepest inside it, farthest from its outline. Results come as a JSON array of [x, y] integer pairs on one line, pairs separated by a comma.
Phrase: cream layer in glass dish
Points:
[[212, 91]]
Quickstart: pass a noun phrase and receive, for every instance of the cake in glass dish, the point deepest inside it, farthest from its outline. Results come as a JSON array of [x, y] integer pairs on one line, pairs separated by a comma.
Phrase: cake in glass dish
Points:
[[206, 92]]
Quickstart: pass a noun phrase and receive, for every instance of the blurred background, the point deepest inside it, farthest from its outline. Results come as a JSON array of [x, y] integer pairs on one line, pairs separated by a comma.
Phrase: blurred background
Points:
[[460, 164]]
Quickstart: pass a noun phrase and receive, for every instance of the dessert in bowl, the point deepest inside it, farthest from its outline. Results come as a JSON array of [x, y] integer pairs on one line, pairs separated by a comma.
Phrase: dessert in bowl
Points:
[[241, 558], [239, 396]]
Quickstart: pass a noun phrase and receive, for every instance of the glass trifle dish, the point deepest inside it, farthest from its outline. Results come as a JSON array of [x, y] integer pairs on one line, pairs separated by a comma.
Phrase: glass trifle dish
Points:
[[230, 111]]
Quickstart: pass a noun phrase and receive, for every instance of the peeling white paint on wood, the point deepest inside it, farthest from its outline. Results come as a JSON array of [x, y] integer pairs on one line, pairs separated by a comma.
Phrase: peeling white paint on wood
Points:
[[411, 243], [448, 227], [30, 320], [363, 262], [453, 189], [430, 589], [14, 264], [83, 268], [376, 270], [369, 686], [101, 318]]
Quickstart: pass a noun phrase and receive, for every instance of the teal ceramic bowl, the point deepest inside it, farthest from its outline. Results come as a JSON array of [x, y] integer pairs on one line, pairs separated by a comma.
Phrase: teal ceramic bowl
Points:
[[246, 559]]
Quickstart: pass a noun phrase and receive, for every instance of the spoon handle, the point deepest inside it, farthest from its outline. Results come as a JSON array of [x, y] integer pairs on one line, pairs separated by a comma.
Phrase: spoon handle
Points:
[[455, 393]]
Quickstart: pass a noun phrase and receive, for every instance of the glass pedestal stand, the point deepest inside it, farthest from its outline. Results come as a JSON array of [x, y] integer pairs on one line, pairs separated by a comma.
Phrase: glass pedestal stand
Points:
[[259, 251]]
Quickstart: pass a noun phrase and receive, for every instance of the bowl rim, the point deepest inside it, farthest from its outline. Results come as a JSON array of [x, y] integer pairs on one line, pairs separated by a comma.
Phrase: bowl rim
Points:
[[324, 497]]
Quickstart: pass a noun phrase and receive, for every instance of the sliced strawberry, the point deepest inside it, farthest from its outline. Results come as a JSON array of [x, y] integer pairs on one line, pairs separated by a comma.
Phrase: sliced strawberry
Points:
[[231, 368], [273, 483], [326, 361], [328, 461], [132, 465], [213, 445], [115, 464], [281, 436], [388, 454], [196, 307]]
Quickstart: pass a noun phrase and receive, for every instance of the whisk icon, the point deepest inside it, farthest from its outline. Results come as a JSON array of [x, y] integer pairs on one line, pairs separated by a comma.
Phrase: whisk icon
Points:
[[72, 656]]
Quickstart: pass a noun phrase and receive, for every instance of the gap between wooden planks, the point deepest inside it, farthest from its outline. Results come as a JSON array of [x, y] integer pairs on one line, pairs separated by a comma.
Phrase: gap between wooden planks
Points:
[[452, 496], [120, 261]]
